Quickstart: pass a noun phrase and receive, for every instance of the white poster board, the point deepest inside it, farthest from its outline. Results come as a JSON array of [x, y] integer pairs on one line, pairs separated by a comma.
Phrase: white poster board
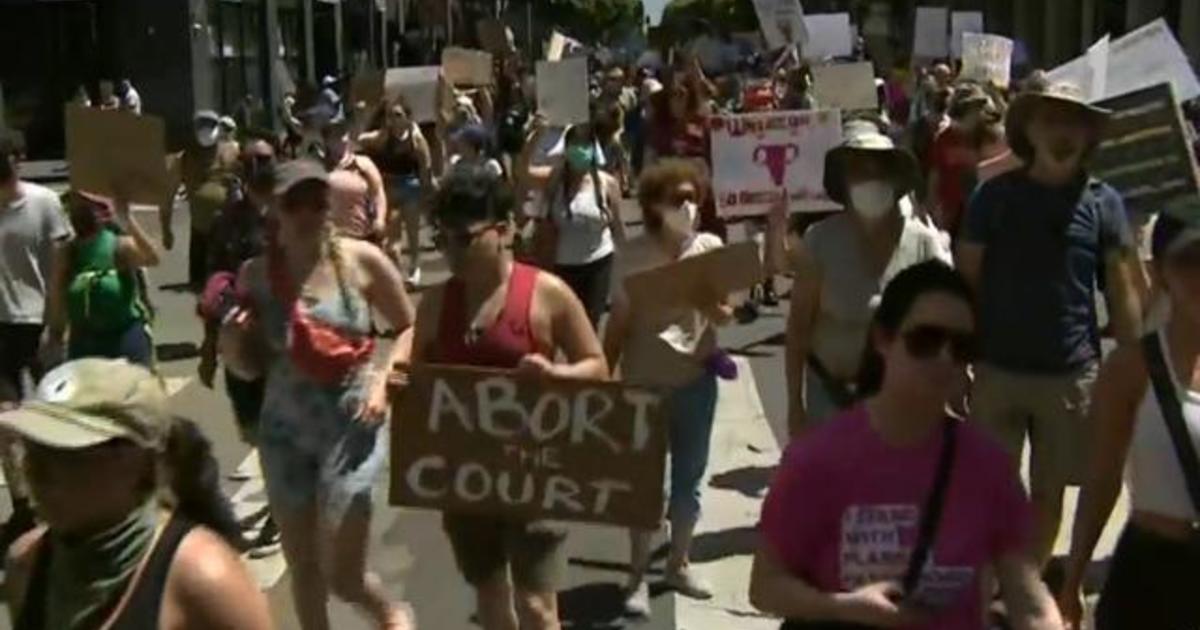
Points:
[[1088, 71], [986, 58], [1148, 56], [418, 86], [845, 86], [829, 35], [930, 38], [757, 156], [782, 22], [963, 22], [562, 91]]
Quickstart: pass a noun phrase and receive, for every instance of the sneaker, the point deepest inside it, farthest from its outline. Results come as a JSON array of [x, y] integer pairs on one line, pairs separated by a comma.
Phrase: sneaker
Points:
[[747, 313], [637, 600], [685, 582], [253, 519], [769, 298], [414, 278], [267, 543]]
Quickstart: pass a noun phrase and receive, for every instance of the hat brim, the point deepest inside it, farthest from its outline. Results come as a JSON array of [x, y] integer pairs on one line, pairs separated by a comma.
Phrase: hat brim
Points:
[[286, 187], [61, 428], [904, 170], [1022, 108]]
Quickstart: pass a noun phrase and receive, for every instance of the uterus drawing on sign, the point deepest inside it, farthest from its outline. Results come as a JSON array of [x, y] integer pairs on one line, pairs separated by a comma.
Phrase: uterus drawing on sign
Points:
[[776, 157]]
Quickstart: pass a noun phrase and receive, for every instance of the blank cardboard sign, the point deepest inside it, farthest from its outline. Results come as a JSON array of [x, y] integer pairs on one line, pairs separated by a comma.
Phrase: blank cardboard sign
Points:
[[725, 270], [846, 86], [109, 149], [484, 441], [419, 86], [464, 66]]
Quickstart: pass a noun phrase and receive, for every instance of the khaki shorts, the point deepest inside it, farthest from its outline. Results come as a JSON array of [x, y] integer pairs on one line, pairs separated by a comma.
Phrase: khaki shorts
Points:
[[485, 546], [1052, 410]]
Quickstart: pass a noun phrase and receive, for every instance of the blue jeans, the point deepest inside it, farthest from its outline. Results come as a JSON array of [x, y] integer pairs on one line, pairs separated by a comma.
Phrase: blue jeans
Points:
[[691, 409]]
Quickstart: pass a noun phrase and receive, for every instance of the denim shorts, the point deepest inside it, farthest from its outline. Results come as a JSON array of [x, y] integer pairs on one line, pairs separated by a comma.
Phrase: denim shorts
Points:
[[336, 476]]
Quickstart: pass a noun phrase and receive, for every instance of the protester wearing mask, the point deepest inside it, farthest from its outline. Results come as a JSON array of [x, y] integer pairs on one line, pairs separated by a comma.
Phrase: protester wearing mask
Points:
[[580, 221], [208, 168], [955, 154], [891, 514], [402, 154], [304, 325], [357, 193], [497, 313], [1036, 243], [34, 231], [672, 347], [1155, 569], [842, 265]]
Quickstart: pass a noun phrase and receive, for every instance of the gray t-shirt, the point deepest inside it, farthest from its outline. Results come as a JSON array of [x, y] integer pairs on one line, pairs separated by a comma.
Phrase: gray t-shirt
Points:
[[29, 228]]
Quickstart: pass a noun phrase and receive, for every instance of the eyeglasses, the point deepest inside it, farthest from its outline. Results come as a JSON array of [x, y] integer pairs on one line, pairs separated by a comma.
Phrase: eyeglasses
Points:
[[925, 342], [460, 237]]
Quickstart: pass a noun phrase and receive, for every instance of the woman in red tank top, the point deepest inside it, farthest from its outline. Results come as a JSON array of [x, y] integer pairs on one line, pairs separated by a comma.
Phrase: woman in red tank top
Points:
[[497, 313]]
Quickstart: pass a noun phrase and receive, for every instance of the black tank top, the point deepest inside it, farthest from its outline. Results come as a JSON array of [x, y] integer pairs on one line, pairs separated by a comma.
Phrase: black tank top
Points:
[[399, 157], [142, 611]]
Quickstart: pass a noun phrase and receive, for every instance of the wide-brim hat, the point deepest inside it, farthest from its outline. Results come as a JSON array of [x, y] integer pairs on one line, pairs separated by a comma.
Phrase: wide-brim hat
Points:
[[863, 137], [1023, 107]]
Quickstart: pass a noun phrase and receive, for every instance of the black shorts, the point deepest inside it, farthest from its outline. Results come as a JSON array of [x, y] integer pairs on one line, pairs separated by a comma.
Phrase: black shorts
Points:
[[485, 546], [19, 345]]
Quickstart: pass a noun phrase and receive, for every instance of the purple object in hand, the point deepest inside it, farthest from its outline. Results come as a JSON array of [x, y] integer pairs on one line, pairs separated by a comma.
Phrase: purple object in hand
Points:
[[721, 365]]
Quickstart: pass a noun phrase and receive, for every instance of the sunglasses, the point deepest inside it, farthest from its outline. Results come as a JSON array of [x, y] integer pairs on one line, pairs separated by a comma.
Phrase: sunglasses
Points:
[[680, 198], [925, 342], [458, 236]]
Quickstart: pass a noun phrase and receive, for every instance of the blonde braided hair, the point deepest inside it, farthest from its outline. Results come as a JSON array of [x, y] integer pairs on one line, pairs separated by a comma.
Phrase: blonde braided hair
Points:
[[331, 248]]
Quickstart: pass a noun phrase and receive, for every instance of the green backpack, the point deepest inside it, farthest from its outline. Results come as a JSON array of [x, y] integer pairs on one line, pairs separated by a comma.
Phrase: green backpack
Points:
[[100, 297]]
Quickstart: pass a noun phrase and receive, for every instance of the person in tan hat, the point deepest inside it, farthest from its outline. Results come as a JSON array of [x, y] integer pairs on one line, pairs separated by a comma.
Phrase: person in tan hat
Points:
[[842, 264], [1035, 244], [109, 555]]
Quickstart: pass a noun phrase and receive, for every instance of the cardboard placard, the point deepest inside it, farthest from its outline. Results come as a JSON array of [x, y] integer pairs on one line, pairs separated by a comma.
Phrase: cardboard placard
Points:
[[962, 22], [1149, 56], [755, 156], [987, 58], [1088, 71], [367, 86], [110, 149], [829, 35], [562, 91], [845, 86], [1145, 153], [486, 442], [721, 271], [495, 37], [782, 22], [464, 66], [419, 87], [930, 37]]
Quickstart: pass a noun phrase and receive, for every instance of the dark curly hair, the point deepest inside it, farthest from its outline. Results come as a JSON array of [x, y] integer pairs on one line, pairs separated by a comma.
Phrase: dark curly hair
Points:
[[471, 193]]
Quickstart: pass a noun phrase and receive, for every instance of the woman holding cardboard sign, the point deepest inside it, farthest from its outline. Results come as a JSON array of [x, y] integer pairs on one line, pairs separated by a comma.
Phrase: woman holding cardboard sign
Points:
[[672, 346], [497, 313]]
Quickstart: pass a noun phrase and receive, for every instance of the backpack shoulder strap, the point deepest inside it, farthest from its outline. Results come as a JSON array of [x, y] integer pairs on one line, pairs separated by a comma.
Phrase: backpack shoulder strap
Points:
[[931, 514], [1172, 413]]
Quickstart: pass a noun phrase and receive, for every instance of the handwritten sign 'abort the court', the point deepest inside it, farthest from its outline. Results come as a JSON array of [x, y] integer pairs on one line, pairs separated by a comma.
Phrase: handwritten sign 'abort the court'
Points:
[[486, 442]]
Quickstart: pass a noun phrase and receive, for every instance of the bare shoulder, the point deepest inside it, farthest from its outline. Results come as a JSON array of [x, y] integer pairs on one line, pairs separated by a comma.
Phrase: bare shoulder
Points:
[[18, 561], [550, 289], [213, 586], [205, 562], [362, 251]]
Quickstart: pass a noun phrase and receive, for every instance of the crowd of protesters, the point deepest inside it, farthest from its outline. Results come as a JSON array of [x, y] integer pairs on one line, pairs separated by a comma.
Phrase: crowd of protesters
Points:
[[944, 319]]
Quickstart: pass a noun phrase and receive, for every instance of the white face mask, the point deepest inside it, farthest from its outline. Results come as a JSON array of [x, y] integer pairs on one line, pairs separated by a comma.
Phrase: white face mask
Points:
[[680, 220], [207, 137], [873, 199]]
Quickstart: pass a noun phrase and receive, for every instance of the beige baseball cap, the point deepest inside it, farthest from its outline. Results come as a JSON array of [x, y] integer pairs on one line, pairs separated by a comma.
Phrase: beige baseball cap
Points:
[[87, 402]]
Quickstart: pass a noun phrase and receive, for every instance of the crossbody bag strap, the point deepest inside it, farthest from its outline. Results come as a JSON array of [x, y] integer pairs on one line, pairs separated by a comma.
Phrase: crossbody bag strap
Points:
[[931, 515], [1172, 413]]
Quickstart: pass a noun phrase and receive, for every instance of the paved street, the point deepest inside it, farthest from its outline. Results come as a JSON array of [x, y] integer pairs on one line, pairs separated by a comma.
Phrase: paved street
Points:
[[411, 553]]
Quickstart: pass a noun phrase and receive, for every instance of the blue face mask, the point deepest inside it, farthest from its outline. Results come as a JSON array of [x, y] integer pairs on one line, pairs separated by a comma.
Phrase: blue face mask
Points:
[[581, 157]]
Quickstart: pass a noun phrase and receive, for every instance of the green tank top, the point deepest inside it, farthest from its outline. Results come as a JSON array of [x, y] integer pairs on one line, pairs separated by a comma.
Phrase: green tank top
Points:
[[101, 298]]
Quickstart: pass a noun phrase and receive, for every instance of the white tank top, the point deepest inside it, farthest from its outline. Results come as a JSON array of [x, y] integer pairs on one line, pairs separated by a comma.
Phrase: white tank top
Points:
[[1156, 482]]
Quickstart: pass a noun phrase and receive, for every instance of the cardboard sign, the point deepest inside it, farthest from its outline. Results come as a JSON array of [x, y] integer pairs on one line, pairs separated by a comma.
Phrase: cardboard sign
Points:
[[495, 37], [485, 442], [464, 66], [756, 156], [725, 270], [1149, 56], [1145, 153], [418, 86], [1088, 71], [110, 149], [367, 87], [845, 86], [562, 91], [986, 58], [930, 39], [829, 35], [782, 22], [962, 22]]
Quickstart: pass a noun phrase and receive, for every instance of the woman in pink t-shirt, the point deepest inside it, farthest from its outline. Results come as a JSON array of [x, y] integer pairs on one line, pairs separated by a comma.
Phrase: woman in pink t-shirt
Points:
[[842, 517]]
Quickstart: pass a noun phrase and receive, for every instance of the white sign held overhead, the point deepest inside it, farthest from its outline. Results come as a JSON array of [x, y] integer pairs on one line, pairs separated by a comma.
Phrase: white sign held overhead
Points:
[[1088, 71], [782, 22], [562, 91], [930, 37], [963, 22], [756, 157], [987, 58], [419, 86], [846, 86], [829, 35], [1148, 56]]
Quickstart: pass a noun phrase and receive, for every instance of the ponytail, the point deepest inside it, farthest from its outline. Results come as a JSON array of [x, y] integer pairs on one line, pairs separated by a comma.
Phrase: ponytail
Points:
[[193, 483]]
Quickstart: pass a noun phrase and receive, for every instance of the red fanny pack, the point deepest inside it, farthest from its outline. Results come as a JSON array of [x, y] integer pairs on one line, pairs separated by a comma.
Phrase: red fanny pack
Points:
[[323, 352]]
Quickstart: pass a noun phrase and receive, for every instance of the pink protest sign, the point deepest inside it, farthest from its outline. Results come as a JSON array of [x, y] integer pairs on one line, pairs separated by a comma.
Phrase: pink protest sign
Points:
[[756, 157]]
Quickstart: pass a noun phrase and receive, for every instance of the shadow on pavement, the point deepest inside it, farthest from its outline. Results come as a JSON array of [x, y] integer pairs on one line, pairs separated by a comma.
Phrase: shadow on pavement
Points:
[[751, 481], [713, 546], [596, 606], [177, 287], [168, 352]]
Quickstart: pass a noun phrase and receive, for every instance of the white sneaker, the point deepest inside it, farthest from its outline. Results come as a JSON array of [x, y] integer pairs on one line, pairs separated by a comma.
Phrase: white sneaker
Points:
[[414, 278], [685, 582], [637, 600]]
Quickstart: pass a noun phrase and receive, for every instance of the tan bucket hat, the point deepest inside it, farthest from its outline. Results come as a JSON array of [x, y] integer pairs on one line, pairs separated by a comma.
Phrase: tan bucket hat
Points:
[[1023, 107], [863, 136]]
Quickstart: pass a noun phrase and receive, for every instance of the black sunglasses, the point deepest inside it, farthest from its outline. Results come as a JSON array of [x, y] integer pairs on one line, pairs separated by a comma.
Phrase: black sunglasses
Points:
[[925, 342]]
